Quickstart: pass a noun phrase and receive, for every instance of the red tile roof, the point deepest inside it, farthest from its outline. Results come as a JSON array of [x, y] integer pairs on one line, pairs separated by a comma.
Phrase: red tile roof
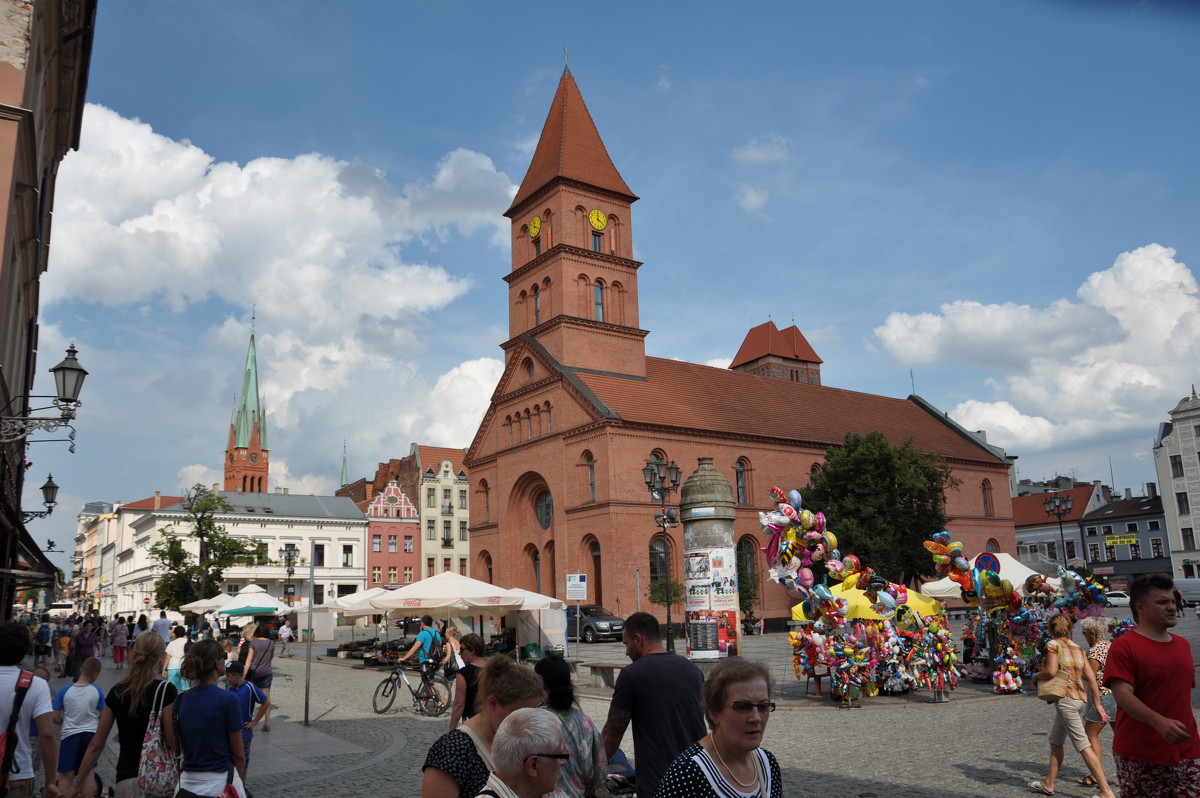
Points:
[[148, 504], [691, 396], [570, 147], [1031, 511], [766, 339], [432, 456]]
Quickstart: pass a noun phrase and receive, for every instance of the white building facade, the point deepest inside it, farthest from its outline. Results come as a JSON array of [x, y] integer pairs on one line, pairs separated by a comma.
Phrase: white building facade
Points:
[[1177, 462]]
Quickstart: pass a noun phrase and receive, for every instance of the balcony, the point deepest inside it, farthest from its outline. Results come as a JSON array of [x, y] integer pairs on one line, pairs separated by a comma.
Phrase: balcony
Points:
[[447, 543], [447, 508]]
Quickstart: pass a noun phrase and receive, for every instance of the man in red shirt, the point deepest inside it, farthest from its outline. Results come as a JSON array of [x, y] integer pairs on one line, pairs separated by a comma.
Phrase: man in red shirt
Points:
[[1150, 672]]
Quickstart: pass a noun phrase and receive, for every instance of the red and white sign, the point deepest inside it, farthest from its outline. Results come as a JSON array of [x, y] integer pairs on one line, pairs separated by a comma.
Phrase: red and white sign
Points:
[[146, 601]]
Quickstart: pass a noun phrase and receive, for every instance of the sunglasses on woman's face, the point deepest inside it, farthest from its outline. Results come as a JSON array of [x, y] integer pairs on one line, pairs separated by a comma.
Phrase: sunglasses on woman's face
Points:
[[746, 706]]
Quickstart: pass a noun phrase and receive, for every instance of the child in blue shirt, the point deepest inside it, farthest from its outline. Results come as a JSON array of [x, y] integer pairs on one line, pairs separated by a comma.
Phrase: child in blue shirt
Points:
[[247, 695], [77, 709]]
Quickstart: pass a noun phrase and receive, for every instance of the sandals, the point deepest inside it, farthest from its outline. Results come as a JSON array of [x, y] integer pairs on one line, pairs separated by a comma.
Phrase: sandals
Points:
[[1037, 787], [1087, 781]]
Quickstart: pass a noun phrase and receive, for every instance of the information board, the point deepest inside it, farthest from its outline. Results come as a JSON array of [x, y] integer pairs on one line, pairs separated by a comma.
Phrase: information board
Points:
[[577, 587]]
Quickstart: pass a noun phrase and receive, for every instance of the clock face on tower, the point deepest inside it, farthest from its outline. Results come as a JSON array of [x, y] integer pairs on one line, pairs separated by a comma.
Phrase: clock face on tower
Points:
[[253, 458], [535, 226], [598, 219]]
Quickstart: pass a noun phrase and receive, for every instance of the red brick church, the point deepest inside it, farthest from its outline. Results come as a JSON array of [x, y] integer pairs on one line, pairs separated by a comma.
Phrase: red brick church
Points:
[[556, 465]]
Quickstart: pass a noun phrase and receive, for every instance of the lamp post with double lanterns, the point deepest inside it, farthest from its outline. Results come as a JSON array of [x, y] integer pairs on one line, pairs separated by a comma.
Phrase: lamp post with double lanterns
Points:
[[662, 479], [289, 554], [1059, 507]]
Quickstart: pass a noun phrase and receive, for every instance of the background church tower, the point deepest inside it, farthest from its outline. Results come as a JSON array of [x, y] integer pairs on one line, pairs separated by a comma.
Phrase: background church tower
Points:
[[573, 285], [247, 460]]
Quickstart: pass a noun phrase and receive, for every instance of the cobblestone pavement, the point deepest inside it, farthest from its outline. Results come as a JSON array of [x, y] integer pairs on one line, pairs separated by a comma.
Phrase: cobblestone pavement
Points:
[[978, 744]]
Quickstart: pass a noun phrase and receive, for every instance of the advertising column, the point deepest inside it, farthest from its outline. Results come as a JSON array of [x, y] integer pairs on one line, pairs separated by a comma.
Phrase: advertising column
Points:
[[709, 563]]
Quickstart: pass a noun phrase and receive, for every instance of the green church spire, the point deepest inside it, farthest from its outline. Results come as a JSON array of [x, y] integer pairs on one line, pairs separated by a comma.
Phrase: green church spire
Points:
[[345, 471], [248, 410]]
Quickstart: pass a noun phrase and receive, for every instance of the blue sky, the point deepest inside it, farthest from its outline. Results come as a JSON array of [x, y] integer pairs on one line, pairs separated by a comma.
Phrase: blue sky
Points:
[[1000, 198]]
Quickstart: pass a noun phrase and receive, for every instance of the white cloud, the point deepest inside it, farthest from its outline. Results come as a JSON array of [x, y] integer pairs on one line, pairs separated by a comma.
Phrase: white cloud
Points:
[[719, 362], [198, 474], [1105, 367], [773, 149], [750, 198], [457, 402]]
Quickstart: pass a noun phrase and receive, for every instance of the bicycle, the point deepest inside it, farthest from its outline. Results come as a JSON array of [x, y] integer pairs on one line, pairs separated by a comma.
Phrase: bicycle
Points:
[[430, 698]]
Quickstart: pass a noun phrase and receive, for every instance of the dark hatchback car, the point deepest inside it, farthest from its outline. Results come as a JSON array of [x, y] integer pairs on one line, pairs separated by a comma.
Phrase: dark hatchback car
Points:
[[593, 623]]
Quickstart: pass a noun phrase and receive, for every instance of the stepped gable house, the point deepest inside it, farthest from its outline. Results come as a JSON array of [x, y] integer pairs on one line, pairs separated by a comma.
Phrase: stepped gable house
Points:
[[555, 467]]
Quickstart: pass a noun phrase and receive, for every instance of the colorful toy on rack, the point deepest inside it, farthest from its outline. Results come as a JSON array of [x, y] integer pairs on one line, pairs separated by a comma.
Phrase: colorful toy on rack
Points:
[[1007, 676], [799, 548]]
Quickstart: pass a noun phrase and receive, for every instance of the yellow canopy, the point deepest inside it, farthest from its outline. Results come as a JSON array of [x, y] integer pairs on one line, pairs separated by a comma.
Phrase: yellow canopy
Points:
[[860, 605]]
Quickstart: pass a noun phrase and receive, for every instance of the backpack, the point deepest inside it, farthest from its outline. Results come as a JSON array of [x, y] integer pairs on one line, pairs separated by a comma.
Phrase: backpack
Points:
[[437, 648], [43, 634], [8, 739]]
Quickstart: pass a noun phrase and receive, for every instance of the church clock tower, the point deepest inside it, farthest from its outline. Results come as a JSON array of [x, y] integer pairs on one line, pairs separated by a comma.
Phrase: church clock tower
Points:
[[573, 284], [247, 459]]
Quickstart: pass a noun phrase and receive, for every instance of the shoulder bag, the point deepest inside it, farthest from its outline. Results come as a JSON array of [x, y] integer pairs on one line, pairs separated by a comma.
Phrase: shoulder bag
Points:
[[1051, 690], [158, 769]]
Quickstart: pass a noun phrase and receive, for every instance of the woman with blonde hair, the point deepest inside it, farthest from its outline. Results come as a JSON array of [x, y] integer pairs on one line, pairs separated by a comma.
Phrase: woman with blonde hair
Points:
[[1095, 632], [1064, 656], [129, 704], [458, 762]]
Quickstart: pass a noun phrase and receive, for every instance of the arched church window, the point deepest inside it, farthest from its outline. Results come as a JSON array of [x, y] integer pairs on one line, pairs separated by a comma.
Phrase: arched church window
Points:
[[537, 306], [598, 300]]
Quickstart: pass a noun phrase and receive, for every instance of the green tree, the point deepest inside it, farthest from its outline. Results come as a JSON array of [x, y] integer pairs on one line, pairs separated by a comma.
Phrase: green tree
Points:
[[747, 584], [659, 590], [186, 577], [883, 502]]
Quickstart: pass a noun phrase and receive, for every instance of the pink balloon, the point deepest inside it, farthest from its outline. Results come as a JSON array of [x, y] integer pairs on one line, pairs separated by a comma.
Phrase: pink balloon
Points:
[[806, 577]]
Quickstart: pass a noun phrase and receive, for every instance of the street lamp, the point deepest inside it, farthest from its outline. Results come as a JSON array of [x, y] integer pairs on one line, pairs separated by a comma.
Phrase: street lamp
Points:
[[49, 499], [1059, 507], [289, 554], [68, 382], [662, 479]]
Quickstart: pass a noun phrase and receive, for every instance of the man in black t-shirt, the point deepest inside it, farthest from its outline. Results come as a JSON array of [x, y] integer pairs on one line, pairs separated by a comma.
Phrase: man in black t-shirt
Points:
[[661, 694]]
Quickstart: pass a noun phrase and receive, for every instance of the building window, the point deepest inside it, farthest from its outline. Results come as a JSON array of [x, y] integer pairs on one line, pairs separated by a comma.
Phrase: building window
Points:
[[431, 529], [376, 542], [739, 481], [462, 530], [392, 574], [487, 498], [1110, 553], [1106, 529], [1070, 549], [545, 509], [462, 566], [1176, 465], [431, 497], [232, 589], [376, 573], [1091, 530], [408, 545], [391, 544], [1033, 549], [537, 246], [537, 306], [408, 574], [1156, 549], [462, 500], [445, 564], [1189, 538], [347, 556], [1094, 551], [429, 566], [1131, 527], [446, 531], [1188, 571], [1152, 526], [591, 477], [1181, 503], [598, 299], [597, 242], [658, 560], [1052, 551], [986, 490], [319, 555], [1135, 551]]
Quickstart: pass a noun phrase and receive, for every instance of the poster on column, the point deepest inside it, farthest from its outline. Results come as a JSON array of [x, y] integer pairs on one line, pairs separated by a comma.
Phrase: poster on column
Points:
[[711, 595]]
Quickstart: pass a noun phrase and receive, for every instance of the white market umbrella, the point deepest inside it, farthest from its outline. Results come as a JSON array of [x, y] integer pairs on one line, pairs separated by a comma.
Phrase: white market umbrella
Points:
[[536, 601], [254, 600], [449, 591], [209, 604]]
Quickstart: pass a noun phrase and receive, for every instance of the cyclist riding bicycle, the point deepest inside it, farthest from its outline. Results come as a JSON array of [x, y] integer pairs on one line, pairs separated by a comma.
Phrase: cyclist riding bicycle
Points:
[[429, 649]]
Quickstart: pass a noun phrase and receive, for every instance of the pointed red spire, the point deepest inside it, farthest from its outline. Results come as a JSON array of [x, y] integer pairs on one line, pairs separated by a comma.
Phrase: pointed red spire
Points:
[[570, 147], [766, 339]]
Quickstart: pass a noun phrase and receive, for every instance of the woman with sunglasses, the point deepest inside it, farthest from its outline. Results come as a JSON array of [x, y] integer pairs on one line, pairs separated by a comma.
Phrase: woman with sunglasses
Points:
[[729, 761]]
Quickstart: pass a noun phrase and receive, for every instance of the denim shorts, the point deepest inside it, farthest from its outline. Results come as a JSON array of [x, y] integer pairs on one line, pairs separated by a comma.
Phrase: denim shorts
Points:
[[1109, 702]]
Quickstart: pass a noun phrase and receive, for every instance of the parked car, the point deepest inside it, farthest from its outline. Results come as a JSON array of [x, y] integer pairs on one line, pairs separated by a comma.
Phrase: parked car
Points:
[[594, 623], [1117, 598]]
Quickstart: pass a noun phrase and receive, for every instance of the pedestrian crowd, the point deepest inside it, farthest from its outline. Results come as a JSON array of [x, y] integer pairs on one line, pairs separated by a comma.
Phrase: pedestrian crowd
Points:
[[185, 712]]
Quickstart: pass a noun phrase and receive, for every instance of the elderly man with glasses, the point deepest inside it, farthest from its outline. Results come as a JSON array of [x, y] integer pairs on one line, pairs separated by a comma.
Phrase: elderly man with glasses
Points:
[[527, 753]]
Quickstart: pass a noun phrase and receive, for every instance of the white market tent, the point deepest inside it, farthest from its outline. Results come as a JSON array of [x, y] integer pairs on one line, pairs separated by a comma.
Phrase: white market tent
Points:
[[1011, 569], [254, 600], [449, 591], [209, 604], [541, 620]]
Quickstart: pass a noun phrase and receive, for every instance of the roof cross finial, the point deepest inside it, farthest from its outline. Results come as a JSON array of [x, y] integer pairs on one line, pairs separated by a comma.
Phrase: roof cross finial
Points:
[[566, 60], [253, 316]]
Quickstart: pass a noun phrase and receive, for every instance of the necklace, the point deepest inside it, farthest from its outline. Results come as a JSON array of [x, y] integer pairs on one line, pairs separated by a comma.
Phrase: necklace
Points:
[[745, 785]]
